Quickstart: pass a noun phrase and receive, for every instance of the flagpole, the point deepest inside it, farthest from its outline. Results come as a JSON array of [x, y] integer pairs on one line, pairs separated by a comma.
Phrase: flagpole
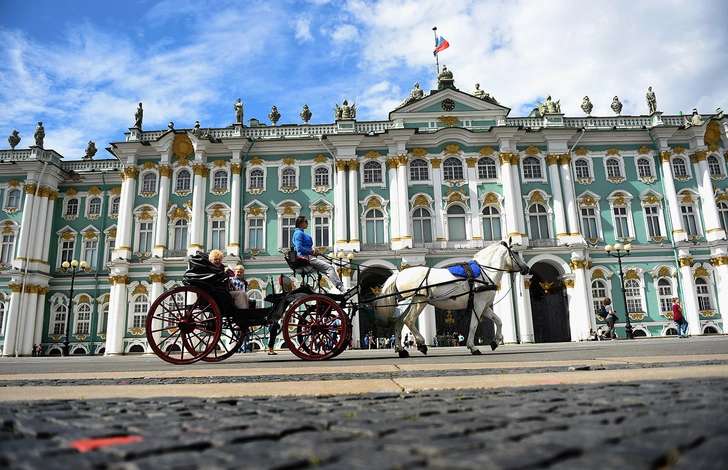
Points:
[[437, 55]]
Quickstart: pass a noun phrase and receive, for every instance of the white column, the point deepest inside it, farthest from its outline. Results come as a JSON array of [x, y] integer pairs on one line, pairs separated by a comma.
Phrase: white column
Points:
[[525, 316], [126, 207], [160, 235], [678, 230], [518, 200], [157, 279], [354, 220], [581, 314], [198, 210], [116, 329], [49, 223], [40, 315], [39, 218], [437, 200], [13, 319], [713, 230], [690, 297], [340, 221], [511, 201], [567, 187], [236, 191], [30, 299], [476, 227], [394, 204], [561, 230], [721, 278], [24, 236], [505, 309], [403, 200]]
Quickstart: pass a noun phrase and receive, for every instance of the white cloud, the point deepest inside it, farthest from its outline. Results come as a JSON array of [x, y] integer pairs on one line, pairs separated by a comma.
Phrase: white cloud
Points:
[[345, 33], [303, 30]]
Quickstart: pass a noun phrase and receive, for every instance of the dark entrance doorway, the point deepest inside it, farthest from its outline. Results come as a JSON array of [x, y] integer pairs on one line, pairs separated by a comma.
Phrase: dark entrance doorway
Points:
[[371, 279], [548, 305], [449, 322]]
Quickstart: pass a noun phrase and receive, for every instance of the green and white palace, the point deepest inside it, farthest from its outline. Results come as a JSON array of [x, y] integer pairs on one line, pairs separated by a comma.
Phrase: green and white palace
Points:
[[446, 174]]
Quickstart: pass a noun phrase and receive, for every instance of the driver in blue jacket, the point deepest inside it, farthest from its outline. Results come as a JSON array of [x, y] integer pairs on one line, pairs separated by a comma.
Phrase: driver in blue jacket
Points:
[[303, 244]]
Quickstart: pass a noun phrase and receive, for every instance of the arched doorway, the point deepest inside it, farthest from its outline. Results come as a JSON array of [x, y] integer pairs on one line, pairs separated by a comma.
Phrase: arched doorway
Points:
[[548, 305], [371, 279]]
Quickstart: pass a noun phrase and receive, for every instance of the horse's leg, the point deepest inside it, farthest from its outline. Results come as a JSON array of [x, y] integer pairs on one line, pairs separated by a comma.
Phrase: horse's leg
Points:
[[398, 324], [470, 342], [489, 313], [416, 308]]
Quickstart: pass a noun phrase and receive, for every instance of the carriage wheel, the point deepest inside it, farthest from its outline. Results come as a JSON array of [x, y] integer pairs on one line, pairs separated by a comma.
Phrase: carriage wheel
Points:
[[231, 339], [183, 325], [315, 328]]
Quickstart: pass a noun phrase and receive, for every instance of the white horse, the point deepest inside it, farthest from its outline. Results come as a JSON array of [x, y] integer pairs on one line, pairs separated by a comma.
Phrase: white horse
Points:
[[413, 288]]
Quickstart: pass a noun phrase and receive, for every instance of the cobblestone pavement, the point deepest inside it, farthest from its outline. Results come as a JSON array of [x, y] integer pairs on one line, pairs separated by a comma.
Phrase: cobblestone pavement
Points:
[[648, 424]]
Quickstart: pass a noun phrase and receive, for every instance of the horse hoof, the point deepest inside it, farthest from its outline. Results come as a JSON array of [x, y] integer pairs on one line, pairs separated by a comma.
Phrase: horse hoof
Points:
[[423, 349], [476, 352], [403, 354], [493, 345]]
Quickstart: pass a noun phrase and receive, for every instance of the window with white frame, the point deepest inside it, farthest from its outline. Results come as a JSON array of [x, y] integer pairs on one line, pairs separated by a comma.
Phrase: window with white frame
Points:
[[456, 223], [691, 224], [257, 179], [94, 207], [321, 231], [7, 250], [220, 180], [288, 226], [67, 250], [532, 168], [184, 180], [218, 234], [149, 183], [288, 178], [374, 227], [83, 319], [13, 200], [714, 166], [633, 292], [372, 172], [703, 290], [180, 234], [419, 170], [491, 223], [589, 222], [723, 215], [103, 319], [321, 177], [614, 168], [487, 169], [72, 207], [91, 251], [581, 168], [599, 293], [255, 233], [664, 294], [145, 236], [114, 209], [421, 226], [679, 167], [139, 311], [58, 324], [621, 222], [538, 221], [452, 169], [652, 218], [644, 168], [110, 247]]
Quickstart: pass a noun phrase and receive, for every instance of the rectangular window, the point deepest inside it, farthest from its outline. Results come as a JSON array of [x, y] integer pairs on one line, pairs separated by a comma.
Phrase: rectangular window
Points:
[[653, 220], [90, 252], [589, 221], [288, 226], [219, 235], [146, 234], [8, 246], [140, 315], [59, 321], [375, 231], [690, 222], [255, 234], [83, 319], [621, 222], [67, 250], [111, 246], [321, 237]]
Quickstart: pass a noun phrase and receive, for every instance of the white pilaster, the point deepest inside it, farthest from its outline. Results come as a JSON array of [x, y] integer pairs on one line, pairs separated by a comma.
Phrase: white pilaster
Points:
[[157, 290], [236, 191], [394, 212], [39, 218], [510, 202], [504, 308], [437, 197], [581, 315], [713, 229], [30, 307], [25, 227], [476, 227], [340, 219], [126, 208], [13, 319], [354, 242], [47, 233], [721, 278], [116, 329], [690, 297], [678, 230], [567, 187], [403, 200], [559, 218], [39, 315], [198, 209], [160, 235]]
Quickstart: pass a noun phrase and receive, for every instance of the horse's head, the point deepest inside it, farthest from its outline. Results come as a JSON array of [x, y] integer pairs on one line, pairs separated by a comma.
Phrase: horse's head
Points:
[[515, 262]]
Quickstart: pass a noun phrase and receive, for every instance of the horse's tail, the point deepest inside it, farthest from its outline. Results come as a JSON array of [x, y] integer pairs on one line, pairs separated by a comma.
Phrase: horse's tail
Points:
[[387, 302]]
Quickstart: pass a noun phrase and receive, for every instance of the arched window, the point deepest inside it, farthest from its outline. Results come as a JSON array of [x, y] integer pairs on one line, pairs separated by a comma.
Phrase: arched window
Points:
[[664, 292], [644, 169], [421, 226], [633, 292], [256, 179], [419, 170], [452, 169], [288, 178], [456, 223], [487, 169], [582, 169], [703, 291], [374, 227], [679, 167], [139, 315], [714, 166], [149, 183], [14, 199], [372, 172], [94, 206], [614, 170], [321, 177], [599, 293], [532, 168], [83, 319], [180, 235], [184, 180], [72, 207], [115, 205], [491, 223], [723, 214], [539, 221], [58, 326], [220, 180]]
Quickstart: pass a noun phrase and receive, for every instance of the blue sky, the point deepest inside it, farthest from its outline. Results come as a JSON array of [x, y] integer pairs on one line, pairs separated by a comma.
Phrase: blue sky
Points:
[[81, 67]]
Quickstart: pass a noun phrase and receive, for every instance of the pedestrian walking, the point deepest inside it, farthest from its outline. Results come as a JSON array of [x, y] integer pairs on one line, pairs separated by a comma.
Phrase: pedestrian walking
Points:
[[677, 315], [611, 319]]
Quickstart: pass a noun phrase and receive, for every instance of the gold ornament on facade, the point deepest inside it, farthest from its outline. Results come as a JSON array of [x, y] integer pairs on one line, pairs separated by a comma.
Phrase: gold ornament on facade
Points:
[[436, 162], [564, 159], [527, 284], [70, 192], [455, 197], [44, 290], [449, 319], [157, 277], [374, 203], [546, 286], [531, 150], [112, 233], [322, 209], [685, 262], [90, 235], [552, 159], [650, 200], [392, 163], [632, 274], [612, 151], [708, 313], [341, 165], [254, 211], [17, 288], [131, 172], [182, 162], [486, 151], [188, 203], [31, 188], [137, 331], [254, 284], [402, 160], [14, 183], [148, 165], [712, 133], [145, 215], [288, 208], [94, 191], [452, 149], [200, 170], [353, 165], [120, 279], [255, 161], [372, 154], [471, 162], [687, 199], [536, 197], [491, 198], [701, 272], [578, 264], [643, 150], [219, 163], [236, 168], [678, 150], [289, 161], [505, 157], [140, 289], [665, 156], [449, 121], [320, 158], [84, 299], [289, 189], [619, 201], [180, 213], [182, 146], [719, 261], [419, 152], [569, 283], [31, 289], [421, 201], [581, 151], [67, 235], [597, 273], [587, 201], [116, 190], [664, 272]]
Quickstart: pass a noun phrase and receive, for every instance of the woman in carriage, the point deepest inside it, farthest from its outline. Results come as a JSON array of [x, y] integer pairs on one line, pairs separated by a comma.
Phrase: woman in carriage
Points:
[[303, 244]]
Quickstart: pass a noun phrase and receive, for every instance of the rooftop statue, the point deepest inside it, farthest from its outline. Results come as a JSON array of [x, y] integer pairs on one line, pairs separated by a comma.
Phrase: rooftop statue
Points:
[[39, 135], [14, 139], [138, 117], [344, 112], [445, 79], [695, 120], [306, 114], [549, 107], [651, 100], [196, 131], [238, 106], [415, 94], [478, 93], [587, 106], [617, 106], [274, 115], [90, 151]]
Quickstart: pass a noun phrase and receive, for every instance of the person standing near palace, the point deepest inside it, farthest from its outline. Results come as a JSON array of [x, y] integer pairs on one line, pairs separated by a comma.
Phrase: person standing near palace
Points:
[[677, 315], [303, 244], [611, 319]]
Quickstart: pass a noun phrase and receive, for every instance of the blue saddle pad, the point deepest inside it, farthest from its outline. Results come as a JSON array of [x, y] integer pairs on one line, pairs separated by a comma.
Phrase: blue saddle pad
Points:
[[459, 271]]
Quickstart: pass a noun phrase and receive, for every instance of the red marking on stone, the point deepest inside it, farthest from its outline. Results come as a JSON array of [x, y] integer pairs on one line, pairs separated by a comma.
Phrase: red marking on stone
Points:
[[86, 445]]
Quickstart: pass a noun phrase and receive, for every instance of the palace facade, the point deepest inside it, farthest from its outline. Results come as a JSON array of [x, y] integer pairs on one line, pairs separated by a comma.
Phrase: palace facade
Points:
[[446, 174]]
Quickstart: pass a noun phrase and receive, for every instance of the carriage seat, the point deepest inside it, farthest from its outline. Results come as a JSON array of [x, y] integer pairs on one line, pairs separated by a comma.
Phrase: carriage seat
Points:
[[298, 265]]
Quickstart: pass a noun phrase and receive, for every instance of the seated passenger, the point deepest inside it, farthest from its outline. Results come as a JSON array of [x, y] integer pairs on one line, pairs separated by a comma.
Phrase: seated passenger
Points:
[[303, 244], [240, 298]]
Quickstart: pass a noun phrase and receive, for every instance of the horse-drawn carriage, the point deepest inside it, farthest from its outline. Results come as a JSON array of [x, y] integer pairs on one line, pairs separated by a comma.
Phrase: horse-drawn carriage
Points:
[[198, 321]]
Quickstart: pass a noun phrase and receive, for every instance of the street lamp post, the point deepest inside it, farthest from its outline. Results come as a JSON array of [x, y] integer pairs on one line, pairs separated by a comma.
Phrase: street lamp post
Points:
[[618, 251], [72, 265]]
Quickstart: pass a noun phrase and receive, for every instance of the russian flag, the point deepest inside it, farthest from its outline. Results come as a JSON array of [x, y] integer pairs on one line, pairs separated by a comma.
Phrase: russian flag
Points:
[[440, 45]]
